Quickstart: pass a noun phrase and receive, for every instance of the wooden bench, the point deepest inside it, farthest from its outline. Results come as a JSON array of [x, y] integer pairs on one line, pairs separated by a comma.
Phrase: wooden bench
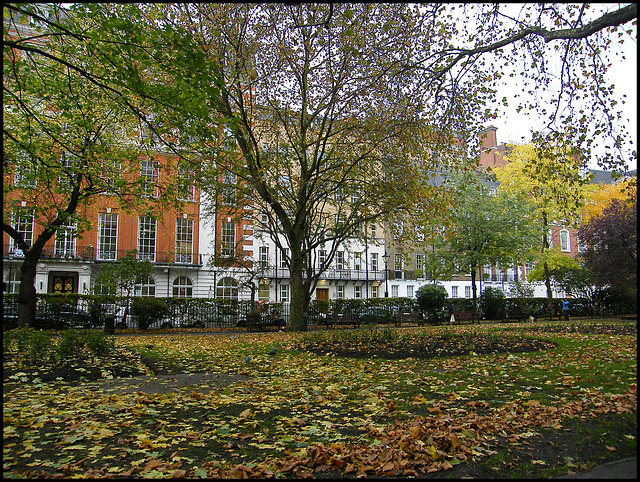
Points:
[[414, 317], [513, 315], [259, 323], [342, 319], [464, 316]]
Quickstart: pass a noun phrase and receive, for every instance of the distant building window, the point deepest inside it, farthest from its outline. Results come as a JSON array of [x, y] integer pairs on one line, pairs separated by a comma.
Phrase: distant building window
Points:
[[284, 293], [146, 238], [23, 223], [227, 289], [228, 240], [340, 262], [467, 291], [375, 291], [395, 291], [149, 178], [65, 245], [230, 188], [182, 287], [186, 187], [410, 291], [340, 292], [322, 257], [357, 261], [264, 257], [283, 258], [107, 236], [420, 262], [565, 241], [12, 281], [374, 261], [357, 292], [146, 288], [454, 291], [184, 240]]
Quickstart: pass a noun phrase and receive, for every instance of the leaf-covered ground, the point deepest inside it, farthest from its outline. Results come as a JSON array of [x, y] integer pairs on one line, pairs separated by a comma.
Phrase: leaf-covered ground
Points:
[[491, 401]]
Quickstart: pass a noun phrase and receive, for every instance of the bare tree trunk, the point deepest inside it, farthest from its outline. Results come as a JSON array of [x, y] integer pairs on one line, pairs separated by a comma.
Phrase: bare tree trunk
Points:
[[26, 297], [298, 307]]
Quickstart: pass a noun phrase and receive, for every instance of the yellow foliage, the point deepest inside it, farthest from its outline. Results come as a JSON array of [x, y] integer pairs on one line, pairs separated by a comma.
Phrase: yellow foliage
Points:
[[599, 197]]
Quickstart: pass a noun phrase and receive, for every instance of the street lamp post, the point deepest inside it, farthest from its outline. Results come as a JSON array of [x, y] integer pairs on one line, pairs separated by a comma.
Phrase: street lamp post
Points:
[[385, 257]]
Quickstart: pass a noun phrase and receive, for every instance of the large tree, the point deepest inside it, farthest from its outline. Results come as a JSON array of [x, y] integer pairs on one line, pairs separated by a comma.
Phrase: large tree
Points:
[[335, 102], [83, 92]]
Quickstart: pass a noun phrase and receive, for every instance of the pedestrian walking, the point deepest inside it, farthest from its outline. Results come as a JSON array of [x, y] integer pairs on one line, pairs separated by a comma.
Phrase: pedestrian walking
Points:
[[452, 312], [565, 308]]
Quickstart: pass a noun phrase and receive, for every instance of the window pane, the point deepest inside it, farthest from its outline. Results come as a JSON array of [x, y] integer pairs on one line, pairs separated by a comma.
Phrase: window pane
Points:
[[107, 235], [146, 238], [184, 240], [182, 287], [65, 244], [228, 239]]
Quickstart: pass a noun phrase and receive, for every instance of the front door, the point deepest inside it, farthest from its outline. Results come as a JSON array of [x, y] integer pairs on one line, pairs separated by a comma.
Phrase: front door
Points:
[[63, 284], [322, 294]]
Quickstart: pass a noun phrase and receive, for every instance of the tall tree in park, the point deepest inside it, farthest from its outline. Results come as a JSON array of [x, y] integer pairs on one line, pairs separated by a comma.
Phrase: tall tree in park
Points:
[[551, 176], [80, 90], [499, 230], [329, 103], [612, 246]]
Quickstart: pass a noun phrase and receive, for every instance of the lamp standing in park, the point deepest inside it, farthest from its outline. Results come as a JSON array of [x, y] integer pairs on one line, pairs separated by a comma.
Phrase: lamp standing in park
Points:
[[385, 257]]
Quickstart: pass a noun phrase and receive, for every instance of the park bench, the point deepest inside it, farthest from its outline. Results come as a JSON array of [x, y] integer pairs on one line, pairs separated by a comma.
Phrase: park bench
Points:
[[340, 319], [260, 322], [464, 316], [514, 314], [414, 317]]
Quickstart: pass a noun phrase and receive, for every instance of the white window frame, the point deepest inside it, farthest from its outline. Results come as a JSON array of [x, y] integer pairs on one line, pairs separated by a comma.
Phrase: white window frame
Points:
[[454, 291], [565, 240], [357, 292], [182, 287], [107, 236], [184, 240], [65, 242], [284, 293], [22, 221], [149, 172], [228, 239], [147, 228], [146, 289], [357, 261]]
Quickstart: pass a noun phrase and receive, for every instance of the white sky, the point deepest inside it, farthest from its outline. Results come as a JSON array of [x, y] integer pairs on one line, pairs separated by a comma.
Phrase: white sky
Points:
[[516, 128]]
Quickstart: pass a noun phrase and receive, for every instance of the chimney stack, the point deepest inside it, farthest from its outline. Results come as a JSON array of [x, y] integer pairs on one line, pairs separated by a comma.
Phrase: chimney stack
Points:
[[488, 138]]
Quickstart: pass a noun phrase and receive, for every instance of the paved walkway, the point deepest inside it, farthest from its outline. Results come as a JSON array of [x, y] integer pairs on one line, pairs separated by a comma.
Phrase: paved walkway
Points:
[[619, 469]]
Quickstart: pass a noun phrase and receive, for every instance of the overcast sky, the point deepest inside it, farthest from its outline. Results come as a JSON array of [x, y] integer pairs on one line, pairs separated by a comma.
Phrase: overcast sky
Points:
[[516, 128]]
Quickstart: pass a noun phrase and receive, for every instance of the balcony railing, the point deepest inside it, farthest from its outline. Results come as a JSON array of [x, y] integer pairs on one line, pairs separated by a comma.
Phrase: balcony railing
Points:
[[89, 253], [329, 275]]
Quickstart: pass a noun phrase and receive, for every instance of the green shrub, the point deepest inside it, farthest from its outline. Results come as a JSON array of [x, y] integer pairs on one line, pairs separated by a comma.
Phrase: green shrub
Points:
[[492, 302], [431, 298], [70, 344], [34, 346], [148, 311]]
